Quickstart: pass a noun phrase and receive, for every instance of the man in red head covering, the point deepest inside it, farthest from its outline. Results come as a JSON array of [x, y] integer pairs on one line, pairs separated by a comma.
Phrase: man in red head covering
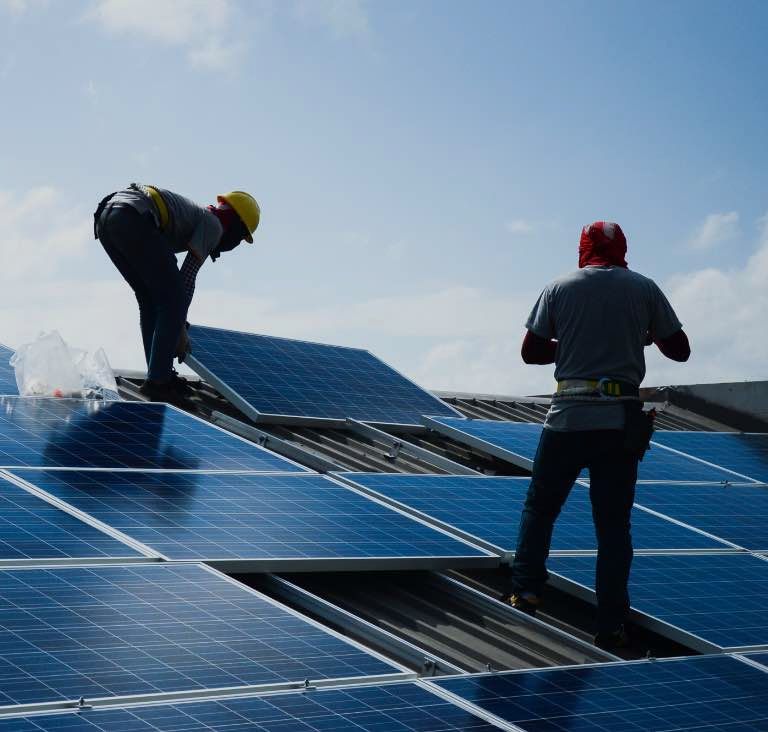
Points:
[[593, 324]]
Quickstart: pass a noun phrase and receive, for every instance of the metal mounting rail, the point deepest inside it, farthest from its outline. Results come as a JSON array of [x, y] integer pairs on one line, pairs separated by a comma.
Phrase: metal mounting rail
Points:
[[429, 663], [398, 447], [275, 444]]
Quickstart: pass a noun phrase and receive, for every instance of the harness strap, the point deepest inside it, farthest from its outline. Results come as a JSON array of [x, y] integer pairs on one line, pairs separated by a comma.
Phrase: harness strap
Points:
[[597, 387], [160, 205]]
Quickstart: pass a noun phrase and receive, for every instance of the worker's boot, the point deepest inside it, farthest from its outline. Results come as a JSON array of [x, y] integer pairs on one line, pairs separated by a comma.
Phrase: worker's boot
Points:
[[613, 640], [162, 391], [181, 385], [526, 602]]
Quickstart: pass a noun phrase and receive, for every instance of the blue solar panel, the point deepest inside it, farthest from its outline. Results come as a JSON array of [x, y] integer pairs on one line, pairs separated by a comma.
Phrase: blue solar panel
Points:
[[31, 528], [287, 377], [234, 516], [736, 513], [56, 433], [700, 693], [746, 454], [138, 629], [402, 707], [7, 374], [489, 508], [721, 598], [516, 442], [759, 658]]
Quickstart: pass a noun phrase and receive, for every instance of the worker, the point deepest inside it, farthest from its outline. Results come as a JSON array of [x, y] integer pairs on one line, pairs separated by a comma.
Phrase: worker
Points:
[[142, 228], [593, 324]]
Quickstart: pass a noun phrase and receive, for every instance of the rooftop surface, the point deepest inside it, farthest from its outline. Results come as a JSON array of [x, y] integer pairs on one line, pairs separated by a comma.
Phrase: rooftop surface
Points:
[[257, 570]]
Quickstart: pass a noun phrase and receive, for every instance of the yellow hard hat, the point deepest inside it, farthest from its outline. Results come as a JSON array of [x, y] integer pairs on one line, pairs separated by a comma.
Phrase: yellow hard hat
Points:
[[245, 207]]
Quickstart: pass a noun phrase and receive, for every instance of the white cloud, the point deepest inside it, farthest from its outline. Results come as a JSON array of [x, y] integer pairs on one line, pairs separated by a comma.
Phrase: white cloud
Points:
[[715, 229], [520, 226], [202, 27], [724, 313], [344, 18]]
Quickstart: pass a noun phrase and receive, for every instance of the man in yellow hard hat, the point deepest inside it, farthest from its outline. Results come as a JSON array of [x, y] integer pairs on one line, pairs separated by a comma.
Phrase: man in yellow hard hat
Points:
[[142, 228]]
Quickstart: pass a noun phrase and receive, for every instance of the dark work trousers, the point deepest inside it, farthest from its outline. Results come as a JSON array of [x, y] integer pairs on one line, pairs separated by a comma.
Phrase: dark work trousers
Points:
[[560, 458], [146, 261]]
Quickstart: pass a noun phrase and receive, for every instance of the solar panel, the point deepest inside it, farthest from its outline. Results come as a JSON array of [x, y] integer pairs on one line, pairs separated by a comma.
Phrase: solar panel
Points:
[[7, 374], [746, 454], [489, 509], [401, 707], [264, 375], [721, 599], [55, 433], [516, 442], [736, 513], [699, 693], [139, 629], [31, 528], [219, 516], [761, 658]]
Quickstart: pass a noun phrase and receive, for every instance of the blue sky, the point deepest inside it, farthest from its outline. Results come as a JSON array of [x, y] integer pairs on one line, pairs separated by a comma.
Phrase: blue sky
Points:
[[423, 168]]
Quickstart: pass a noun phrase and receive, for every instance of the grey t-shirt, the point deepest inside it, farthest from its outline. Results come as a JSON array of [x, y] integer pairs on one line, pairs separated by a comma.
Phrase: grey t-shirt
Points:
[[190, 226], [600, 317]]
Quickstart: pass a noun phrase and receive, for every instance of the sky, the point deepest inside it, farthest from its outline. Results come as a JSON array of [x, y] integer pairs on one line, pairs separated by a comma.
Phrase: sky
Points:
[[423, 168]]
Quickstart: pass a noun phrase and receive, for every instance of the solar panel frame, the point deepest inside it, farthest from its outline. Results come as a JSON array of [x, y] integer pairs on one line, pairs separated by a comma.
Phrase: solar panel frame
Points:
[[64, 521], [457, 430], [709, 692], [701, 639], [242, 402], [219, 636], [650, 522], [372, 515], [52, 433], [399, 706]]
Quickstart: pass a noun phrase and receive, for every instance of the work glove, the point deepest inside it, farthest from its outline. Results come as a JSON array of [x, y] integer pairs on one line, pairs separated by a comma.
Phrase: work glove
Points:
[[182, 345]]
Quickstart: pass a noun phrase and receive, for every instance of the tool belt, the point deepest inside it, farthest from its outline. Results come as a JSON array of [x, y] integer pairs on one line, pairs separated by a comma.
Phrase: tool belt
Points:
[[97, 213], [638, 428], [596, 387]]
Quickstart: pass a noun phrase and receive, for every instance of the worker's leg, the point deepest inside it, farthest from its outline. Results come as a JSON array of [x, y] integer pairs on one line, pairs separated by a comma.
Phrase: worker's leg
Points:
[[613, 473], [156, 280], [147, 315], [555, 469]]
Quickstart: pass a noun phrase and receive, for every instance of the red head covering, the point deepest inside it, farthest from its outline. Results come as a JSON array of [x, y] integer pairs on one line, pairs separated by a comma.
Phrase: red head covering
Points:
[[602, 243]]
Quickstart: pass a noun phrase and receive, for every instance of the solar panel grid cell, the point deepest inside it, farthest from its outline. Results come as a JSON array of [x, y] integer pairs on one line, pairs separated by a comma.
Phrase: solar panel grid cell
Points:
[[722, 599], [387, 708], [7, 374], [737, 513], [746, 454], [314, 380], [140, 629], [703, 693], [56, 433], [31, 528], [489, 508], [246, 516]]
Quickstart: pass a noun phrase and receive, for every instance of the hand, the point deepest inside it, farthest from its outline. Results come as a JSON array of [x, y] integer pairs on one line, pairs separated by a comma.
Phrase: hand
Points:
[[182, 345], [648, 339]]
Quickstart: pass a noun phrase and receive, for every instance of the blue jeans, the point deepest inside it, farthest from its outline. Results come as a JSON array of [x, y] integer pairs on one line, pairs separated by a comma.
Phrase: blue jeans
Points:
[[146, 261], [560, 458]]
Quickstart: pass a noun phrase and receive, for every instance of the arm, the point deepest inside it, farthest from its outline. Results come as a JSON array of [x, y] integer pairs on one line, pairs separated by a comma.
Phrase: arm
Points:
[[538, 350], [189, 270], [675, 347]]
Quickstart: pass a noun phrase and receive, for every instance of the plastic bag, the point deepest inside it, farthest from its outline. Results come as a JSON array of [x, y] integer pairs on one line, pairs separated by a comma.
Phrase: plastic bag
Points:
[[49, 367]]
